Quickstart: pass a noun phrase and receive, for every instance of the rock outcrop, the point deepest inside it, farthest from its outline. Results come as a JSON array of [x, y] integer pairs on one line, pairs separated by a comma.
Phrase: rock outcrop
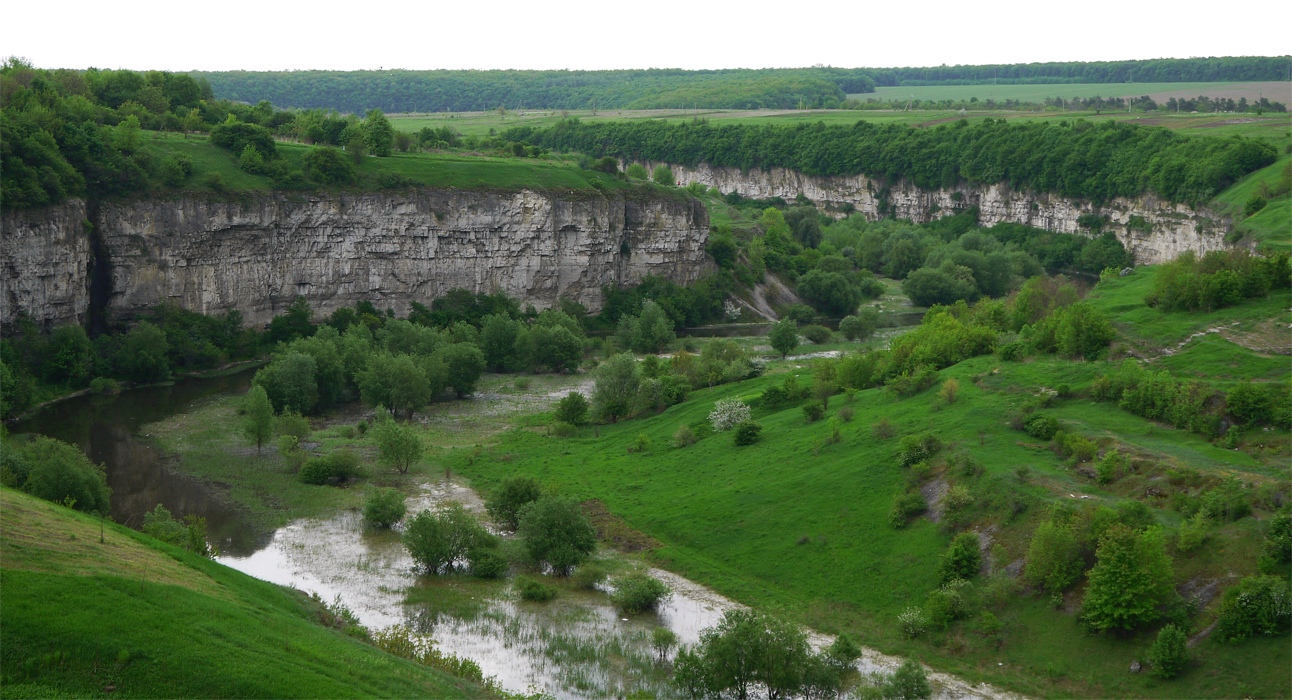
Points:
[[258, 253], [1155, 230]]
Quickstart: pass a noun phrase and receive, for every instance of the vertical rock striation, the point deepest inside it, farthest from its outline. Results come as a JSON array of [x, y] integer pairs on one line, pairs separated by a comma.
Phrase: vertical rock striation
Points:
[[258, 253], [1154, 230]]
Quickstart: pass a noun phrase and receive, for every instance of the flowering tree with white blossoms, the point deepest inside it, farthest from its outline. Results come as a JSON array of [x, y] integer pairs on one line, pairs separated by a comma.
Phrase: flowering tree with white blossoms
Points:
[[728, 413]]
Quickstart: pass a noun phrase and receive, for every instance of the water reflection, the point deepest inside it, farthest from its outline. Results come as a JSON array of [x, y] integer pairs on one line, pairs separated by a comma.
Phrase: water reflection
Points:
[[105, 428]]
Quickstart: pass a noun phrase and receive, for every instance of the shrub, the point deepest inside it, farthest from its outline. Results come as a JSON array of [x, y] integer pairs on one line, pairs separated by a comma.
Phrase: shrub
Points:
[[663, 175], [505, 503], [637, 592], [636, 171], [58, 472], [1169, 653], [908, 682], [906, 506], [1110, 467], [914, 449], [1131, 579], [486, 563], [683, 437], [950, 388], [1258, 605], [747, 432], [1041, 427], [1012, 352], [801, 314], [315, 471], [961, 560], [587, 576], [438, 542], [1053, 557], [384, 508], [913, 622], [1077, 448], [883, 429], [1193, 533], [813, 412], [572, 409], [817, 334], [948, 603], [557, 533], [562, 429], [913, 382], [534, 590], [728, 413], [957, 499], [845, 414]]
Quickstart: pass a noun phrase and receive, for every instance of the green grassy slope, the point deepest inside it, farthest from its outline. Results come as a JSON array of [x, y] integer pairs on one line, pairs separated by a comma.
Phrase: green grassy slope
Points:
[[797, 522], [132, 617]]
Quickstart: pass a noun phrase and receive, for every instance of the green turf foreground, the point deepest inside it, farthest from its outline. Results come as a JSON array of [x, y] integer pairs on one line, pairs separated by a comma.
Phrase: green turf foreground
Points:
[[131, 617]]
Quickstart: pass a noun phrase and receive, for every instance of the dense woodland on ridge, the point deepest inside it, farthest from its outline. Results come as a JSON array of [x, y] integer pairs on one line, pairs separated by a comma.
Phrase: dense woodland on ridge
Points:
[[400, 90]]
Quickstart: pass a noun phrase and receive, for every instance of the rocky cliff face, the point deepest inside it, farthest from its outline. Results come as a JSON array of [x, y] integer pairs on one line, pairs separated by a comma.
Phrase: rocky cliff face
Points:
[[257, 254], [45, 259], [1155, 230]]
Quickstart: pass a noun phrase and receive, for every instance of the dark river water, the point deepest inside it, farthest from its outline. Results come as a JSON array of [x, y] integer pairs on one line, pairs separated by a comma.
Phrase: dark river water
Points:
[[106, 427]]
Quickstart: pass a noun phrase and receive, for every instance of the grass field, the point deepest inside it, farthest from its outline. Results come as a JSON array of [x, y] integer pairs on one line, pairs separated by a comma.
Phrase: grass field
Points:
[[126, 616], [798, 523], [1160, 92]]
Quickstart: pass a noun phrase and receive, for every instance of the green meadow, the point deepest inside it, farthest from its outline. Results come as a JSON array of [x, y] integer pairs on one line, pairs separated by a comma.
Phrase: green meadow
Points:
[[152, 620]]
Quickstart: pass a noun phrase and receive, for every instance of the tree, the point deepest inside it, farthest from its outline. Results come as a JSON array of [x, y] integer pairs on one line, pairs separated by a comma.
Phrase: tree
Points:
[[636, 592], [69, 356], [557, 533], [616, 387], [663, 175], [784, 336], [440, 542], [464, 363], [258, 423], [396, 382], [143, 356], [1053, 557], [636, 171], [728, 413], [505, 503], [498, 335], [1169, 653], [59, 472], [378, 134], [831, 293], [572, 409], [649, 333], [327, 165], [908, 682], [1131, 578], [746, 651], [289, 382], [398, 446]]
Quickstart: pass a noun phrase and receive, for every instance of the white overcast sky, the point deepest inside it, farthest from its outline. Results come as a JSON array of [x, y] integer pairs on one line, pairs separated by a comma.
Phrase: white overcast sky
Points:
[[268, 35]]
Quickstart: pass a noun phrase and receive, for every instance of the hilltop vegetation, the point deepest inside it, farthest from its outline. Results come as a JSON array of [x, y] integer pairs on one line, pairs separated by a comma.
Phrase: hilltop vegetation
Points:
[[1089, 161]]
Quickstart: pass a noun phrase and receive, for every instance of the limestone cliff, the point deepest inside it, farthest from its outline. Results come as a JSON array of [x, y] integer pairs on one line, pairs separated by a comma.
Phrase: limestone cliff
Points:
[[1160, 232], [258, 253]]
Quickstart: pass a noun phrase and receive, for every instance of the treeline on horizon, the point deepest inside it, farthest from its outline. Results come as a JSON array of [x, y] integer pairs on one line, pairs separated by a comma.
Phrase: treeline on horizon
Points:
[[1075, 159], [819, 87], [474, 91]]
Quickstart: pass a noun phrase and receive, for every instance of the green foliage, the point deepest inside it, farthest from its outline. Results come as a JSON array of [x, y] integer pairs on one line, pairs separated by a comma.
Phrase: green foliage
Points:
[[817, 334], [637, 592], [1041, 427], [463, 365], [1053, 557], [1131, 578], [190, 534], [615, 390], [1078, 330], [486, 563], [961, 560], [1131, 159], [750, 653], [236, 136], [573, 409], [1169, 653], [861, 326], [663, 175], [315, 472], [636, 171], [747, 432], [905, 507], [378, 134], [650, 333], [556, 532], [1258, 605], [398, 445], [1215, 280], [384, 508], [258, 423], [443, 542], [534, 590], [508, 499], [784, 336], [142, 357], [914, 449], [329, 166], [56, 471], [908, 682], [290, 383]]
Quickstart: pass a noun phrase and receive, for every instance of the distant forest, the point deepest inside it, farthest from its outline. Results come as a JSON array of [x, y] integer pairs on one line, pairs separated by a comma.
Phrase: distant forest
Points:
[[783, 88], [1075, 159]]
